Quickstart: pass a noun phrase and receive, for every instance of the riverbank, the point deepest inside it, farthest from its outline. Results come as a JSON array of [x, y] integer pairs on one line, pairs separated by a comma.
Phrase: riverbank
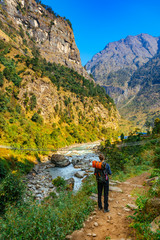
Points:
[[79, 157]]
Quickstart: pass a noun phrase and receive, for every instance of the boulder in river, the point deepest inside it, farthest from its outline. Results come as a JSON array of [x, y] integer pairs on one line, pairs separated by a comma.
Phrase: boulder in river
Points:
[[79, 174], [60, 160]]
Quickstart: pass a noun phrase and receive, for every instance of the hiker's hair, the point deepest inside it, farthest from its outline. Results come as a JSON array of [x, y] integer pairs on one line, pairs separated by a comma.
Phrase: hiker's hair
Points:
[[101, 157]]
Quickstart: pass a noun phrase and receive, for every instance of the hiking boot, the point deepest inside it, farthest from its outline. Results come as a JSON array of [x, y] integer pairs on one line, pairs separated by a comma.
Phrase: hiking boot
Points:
[[106, 210], [100, 208]]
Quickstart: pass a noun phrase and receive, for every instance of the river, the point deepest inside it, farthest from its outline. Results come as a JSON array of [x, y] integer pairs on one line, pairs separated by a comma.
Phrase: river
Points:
[[81, 156]]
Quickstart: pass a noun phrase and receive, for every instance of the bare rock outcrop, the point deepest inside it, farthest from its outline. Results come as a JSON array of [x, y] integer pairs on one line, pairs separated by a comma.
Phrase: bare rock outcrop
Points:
[[52, 34]]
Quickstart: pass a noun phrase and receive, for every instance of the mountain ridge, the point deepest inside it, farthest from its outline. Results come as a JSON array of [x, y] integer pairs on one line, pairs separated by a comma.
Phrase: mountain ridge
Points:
[[117, 66]]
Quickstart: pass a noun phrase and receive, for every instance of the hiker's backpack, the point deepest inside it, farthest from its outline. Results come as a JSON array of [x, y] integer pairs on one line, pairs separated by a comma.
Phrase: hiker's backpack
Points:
[[100, 171]]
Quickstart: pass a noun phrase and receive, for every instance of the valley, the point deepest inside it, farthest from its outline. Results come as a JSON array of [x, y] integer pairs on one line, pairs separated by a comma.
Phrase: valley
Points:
[[57, 117]]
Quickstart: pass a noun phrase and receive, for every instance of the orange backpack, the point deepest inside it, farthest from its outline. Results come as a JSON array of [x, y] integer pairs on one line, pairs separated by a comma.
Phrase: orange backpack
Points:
[[97, 164]]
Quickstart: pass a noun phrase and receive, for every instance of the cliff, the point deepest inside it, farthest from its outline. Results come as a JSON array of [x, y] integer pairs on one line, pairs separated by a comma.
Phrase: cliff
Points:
[[44, 101], [51, 33]]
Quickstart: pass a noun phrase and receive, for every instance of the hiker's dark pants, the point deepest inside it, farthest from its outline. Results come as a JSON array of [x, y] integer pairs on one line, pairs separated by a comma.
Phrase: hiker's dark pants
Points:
[[100, 186]]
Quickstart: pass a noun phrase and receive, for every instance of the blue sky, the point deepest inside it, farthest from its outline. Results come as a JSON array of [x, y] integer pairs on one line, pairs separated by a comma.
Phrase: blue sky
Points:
[[96, 23]]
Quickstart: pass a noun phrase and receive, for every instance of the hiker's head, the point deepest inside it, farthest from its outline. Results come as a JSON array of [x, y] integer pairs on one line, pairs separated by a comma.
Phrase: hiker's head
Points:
[[101, 157]]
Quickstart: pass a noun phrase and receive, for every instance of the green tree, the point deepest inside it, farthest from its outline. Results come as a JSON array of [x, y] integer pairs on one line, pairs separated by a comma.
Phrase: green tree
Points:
[[156, 128], [3, 102], [37, 118], [1, 79], [122, 137], [148, 126], [33, 102]]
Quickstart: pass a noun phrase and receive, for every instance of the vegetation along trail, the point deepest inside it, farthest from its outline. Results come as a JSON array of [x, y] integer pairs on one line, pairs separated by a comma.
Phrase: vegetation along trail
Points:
[[115, 224]]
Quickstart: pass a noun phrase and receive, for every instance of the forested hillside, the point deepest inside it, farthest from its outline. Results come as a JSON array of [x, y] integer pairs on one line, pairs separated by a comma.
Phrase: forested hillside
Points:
[[44, 104]]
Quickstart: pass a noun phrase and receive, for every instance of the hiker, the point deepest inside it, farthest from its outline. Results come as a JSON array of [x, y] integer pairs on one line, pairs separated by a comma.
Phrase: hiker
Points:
[[103, 182]]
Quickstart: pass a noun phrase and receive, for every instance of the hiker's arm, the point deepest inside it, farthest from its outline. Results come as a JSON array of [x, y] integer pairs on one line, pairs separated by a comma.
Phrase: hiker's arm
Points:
[[109, 170]]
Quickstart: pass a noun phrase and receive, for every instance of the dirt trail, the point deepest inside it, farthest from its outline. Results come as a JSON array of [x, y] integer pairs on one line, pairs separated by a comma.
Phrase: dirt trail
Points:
[[115, 223]]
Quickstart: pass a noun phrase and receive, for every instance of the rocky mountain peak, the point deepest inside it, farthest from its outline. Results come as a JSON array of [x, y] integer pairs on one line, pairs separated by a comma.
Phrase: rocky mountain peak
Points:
[[131, 52], [128, 70]]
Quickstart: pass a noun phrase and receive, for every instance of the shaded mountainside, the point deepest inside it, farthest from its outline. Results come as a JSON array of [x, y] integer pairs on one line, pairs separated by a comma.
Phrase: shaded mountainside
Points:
[[146, 102], [44, 104], [129, 72]]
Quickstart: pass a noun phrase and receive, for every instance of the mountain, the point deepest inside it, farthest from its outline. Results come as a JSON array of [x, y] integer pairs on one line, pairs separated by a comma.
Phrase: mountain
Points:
[[116, 69], [52, 34], [45, 98], [119, 59], [145, 82]]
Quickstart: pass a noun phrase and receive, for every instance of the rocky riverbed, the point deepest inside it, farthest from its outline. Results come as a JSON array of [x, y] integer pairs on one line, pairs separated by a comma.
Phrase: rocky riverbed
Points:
[[73, 164]]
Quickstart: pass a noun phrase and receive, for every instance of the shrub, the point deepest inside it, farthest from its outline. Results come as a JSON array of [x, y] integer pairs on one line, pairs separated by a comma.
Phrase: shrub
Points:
[[155, 172], [156, 160], [37, 118], [59, 182], [4, 168], [1, 79], [24, 166], [12, 189], [33, 102], [11, 75], [53, 219], [2, 122], [3, 102]]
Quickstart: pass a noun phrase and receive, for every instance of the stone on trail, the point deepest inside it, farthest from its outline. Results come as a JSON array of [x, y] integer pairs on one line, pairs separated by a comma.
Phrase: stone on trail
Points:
[[110, 199], [112, 183], [94, 235], [94, 213], [127, 183], [132, 206], [68, 237], [150, 181], [96, 224], [126, 209], [89, 234], [155, 224], [115, 189]]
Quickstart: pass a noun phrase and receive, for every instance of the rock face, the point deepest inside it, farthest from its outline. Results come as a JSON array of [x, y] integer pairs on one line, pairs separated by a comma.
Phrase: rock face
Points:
[[60, 160], [129, 71], [53, 35]]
